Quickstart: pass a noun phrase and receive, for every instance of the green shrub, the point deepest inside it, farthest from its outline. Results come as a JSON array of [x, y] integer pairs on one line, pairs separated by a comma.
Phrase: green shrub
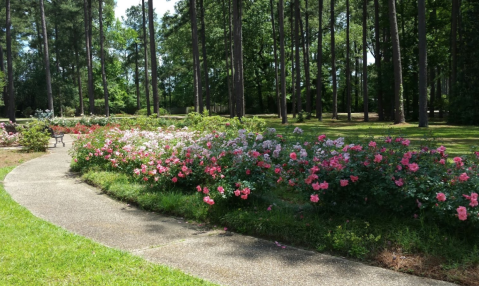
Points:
[[143, 111], [34, 137], [203, 122], [28, 112], [69, 111]]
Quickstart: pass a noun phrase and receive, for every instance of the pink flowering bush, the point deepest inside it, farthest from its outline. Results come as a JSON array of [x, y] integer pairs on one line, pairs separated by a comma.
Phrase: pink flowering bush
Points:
[[7, 138], [385, 175]]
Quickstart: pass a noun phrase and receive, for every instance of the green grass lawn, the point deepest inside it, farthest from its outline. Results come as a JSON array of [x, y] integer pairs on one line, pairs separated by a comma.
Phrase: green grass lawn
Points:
[[35, 252], [457, 139]]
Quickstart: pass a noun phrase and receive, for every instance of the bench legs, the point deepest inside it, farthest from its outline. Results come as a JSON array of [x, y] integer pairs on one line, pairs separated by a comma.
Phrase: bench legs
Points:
[[58, 139]]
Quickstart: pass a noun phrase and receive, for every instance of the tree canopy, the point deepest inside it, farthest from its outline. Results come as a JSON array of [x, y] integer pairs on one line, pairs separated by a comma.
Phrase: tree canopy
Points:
[[238, 49]]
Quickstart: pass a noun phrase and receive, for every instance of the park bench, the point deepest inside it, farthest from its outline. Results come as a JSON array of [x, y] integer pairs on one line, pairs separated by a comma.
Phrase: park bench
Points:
[[58, 137]]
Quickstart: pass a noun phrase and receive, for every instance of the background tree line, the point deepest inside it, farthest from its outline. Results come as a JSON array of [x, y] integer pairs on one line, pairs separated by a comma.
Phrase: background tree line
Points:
[[262, 56]]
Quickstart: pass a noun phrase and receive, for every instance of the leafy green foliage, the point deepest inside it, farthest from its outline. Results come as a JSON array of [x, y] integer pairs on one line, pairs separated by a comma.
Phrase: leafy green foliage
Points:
[[203, 122], [35, 136]]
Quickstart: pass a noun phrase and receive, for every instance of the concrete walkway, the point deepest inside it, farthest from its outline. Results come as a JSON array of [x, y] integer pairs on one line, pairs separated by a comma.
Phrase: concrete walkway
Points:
[[47, 188]]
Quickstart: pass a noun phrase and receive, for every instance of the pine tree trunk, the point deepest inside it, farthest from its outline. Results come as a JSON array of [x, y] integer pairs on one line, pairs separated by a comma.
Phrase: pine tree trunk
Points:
[[205, 59], [90, 43], [137, 78], [46, 58], [154, 67], [432, 71], [405, 60], [293, 92], [378, 61], [227, 61], [306, 67], [91, 97], [11, 94], [278, 100], [365, 62], [196, 59], [230, 45], [333, 65], [348, 67], [319, 81], [4, 91], [357, 87], [57, 61], [297, 56], [423, 122], [415, 73], [145, 48], [102, 59], [307, 63], [439, 93], [238, 57], [78, 74], [284, 117], [398, 85], [454, 28]]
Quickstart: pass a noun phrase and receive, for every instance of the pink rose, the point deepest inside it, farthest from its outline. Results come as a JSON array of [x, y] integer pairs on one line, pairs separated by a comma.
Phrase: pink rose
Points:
[[462, 213], [293, 156], [399, 182], [314, 198], [413, 167], [463, 177], [324, 185], [405, 161], [441, 197], [208, 201]]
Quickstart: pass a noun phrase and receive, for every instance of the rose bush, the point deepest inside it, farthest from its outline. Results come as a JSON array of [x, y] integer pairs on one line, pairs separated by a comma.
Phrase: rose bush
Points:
[[7, 138], [382, 175]]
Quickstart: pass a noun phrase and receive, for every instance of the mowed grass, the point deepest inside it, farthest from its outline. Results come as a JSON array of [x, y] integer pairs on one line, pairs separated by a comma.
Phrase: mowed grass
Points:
[[35, 252], [457, 139]]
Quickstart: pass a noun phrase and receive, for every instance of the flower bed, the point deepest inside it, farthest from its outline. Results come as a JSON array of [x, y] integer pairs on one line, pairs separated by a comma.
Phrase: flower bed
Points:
[[8, 138], [77, 129], [360, 178]]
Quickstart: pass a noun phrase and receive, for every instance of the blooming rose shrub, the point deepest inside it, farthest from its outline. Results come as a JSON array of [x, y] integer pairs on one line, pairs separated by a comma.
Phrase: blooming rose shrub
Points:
[[7, 138], [385, 175], [77, 129]]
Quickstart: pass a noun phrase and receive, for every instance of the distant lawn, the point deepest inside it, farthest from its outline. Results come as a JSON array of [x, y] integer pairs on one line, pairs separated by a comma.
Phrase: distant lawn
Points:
[[457, 139], [35, 252]]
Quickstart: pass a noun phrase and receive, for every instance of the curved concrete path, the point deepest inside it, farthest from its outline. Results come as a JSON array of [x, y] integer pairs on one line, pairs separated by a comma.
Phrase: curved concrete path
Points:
[[47, 188]]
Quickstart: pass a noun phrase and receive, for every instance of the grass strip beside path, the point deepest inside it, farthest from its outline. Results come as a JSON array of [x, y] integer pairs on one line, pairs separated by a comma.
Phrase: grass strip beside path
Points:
[[35, 252]]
